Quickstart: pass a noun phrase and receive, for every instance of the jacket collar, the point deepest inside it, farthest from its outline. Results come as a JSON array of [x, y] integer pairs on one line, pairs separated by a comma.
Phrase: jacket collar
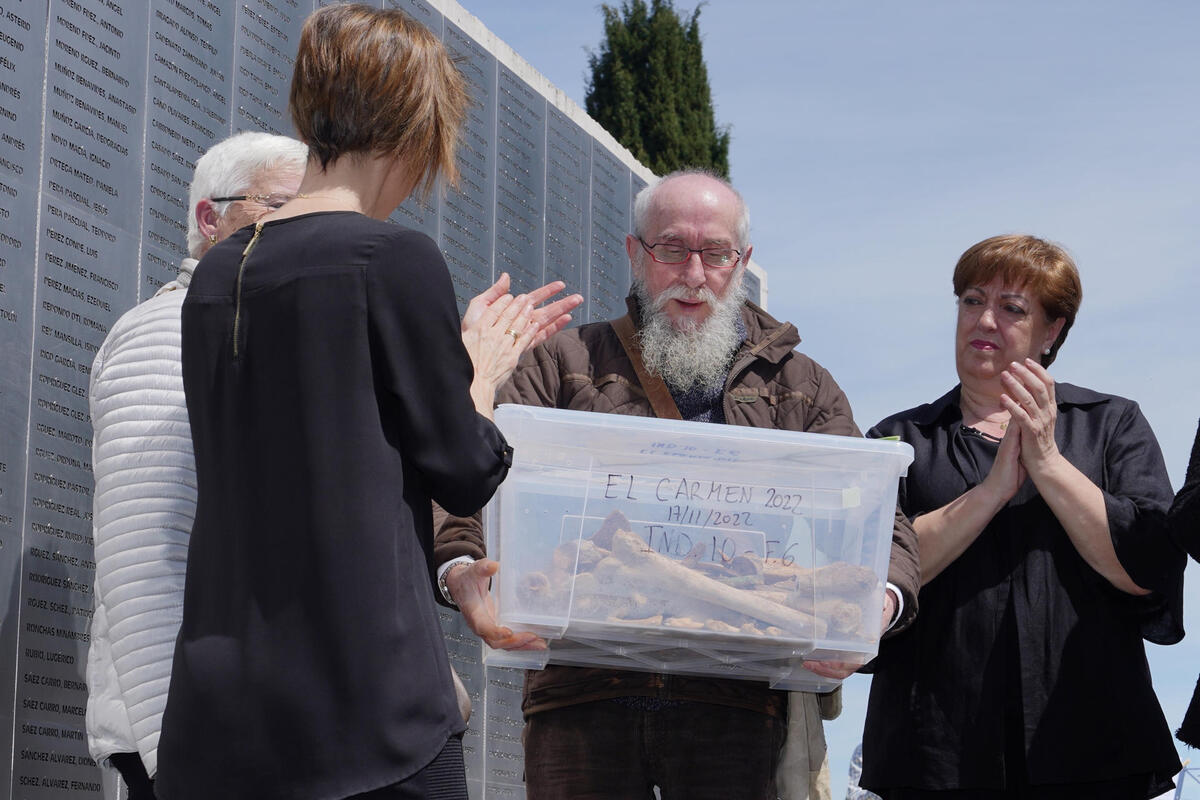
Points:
[[183, 280], [945, 408], [766, 337], [186, 268]]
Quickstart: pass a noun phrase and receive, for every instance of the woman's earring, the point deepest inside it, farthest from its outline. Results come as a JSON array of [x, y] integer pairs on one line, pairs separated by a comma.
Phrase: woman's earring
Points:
[[212, 239], [1046, 352]]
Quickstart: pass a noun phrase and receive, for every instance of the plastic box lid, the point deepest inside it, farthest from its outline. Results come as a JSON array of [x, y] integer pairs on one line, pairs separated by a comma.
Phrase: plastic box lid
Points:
[[691, 548]]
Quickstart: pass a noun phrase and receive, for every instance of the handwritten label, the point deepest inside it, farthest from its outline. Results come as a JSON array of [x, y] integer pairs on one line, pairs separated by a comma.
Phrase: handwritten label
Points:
[[705, 542], [687, 494], [691, 451]]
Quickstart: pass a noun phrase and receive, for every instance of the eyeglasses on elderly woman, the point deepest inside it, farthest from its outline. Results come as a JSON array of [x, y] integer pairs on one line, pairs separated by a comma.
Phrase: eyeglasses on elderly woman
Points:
[[273, 201]]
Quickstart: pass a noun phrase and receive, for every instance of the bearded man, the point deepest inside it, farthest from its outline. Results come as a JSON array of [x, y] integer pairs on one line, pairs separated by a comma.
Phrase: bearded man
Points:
[[594, 733]]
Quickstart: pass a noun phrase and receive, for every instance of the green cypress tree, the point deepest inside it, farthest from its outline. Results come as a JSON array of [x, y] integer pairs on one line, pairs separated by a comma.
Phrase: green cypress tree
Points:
[[649, 88]]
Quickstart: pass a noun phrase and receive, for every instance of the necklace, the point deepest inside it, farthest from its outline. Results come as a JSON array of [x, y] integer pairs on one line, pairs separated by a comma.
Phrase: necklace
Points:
[[983, 418], [987, 437], [336, 203]]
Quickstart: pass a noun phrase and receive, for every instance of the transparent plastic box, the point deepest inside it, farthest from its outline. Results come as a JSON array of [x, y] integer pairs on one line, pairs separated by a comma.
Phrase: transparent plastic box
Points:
[[691, 548]]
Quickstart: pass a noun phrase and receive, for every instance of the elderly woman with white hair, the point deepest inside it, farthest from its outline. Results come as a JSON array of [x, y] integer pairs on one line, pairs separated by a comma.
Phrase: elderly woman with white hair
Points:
[[145, 497]]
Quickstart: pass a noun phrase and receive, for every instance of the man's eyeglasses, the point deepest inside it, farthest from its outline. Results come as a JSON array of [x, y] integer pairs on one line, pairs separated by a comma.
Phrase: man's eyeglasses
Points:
[[274, 201], [675, 254]]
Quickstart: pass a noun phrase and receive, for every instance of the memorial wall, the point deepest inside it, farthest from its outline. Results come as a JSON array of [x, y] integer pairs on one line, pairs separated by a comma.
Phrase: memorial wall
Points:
[[105, 106]]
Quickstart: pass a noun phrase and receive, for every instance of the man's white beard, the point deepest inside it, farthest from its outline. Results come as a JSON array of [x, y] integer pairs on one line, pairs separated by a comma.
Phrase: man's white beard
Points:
[[697, 355]]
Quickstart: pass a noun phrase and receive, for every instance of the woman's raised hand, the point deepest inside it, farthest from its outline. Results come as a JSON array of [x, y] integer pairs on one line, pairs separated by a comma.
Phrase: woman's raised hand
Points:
[[493, 341], [497, 328], [552, 317], [546, 320]]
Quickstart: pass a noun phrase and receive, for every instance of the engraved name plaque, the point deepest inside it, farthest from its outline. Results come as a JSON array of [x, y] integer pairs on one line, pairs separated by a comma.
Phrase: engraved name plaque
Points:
[[22, 56], [520, 180], [608, 264], [467, 215]]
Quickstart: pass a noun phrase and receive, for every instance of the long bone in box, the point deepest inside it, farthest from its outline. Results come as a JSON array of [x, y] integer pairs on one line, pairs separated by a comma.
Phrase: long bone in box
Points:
[[614, 576], [669, 574]]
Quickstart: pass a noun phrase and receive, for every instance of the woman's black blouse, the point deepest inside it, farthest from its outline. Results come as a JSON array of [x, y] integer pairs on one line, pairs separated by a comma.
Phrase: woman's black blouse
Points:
[[1185, 511], [1087, 710], [1185, 525], [328, 392]]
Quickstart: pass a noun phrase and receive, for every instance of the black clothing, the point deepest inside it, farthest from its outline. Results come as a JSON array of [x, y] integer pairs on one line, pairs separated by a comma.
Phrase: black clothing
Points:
[[1019, 627], [1185, 511], [1184, 519], [1136, 786], [328, 391], [1189, 729], [138, 785], [444, 778]]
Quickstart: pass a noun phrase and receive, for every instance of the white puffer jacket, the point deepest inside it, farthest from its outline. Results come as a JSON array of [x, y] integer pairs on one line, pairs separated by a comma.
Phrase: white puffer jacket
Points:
[[145, 500]]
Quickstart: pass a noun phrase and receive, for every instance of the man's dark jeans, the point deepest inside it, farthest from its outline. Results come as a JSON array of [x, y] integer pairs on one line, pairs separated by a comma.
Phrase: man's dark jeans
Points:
[[692, 751]]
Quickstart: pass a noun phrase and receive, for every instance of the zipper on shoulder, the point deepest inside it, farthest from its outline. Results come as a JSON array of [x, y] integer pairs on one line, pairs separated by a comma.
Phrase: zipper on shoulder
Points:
[[237, 310]]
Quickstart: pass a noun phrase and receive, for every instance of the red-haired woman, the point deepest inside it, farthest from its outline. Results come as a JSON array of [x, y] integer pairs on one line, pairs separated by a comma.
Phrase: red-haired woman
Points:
[[1040, 511]]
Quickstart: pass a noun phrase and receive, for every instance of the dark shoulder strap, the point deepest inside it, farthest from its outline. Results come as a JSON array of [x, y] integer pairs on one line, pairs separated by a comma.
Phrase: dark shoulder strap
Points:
[[656, 391]]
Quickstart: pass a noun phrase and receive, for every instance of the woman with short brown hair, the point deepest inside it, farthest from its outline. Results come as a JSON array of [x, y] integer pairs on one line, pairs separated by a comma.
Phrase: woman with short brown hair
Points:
[[371, 81], [1039, 508], [332, 395]]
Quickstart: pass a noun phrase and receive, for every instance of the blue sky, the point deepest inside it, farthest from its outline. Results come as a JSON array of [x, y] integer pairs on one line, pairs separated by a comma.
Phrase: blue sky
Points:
[[874, 142]]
